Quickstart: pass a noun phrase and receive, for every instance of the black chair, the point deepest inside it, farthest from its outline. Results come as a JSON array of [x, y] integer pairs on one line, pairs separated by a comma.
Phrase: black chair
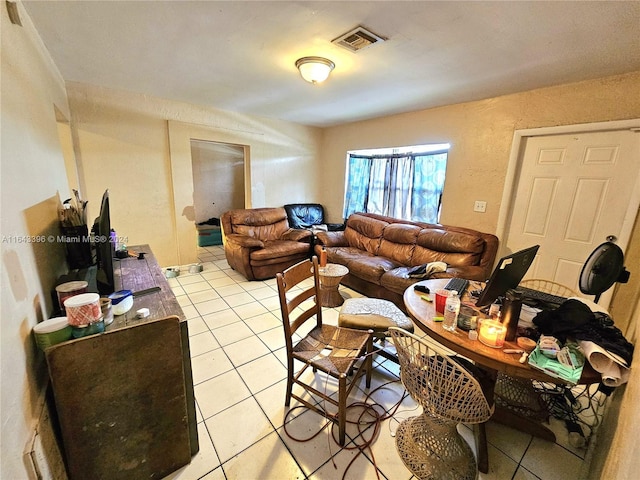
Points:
[[309, 216]]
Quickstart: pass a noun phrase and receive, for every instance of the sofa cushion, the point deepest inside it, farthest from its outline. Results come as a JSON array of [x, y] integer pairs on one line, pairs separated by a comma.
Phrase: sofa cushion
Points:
[[456, 249], [398, 242], [364, 233], [372, 313], [361, 264]]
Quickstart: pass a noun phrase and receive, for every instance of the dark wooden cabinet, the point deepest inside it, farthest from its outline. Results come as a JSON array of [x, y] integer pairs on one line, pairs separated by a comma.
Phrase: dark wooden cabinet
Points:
[[124, 398]]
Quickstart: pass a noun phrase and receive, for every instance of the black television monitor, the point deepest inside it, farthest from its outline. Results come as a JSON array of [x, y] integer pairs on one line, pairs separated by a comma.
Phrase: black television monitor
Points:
[[105, 249], [508, 273]]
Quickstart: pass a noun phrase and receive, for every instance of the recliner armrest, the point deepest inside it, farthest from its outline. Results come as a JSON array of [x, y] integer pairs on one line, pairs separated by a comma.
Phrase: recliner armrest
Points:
[[297, 235], [245, 241], [332, 239]]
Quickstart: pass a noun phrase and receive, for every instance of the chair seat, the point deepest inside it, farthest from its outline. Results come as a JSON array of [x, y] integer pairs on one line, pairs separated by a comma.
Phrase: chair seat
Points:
[[374, 314], [333, 350]]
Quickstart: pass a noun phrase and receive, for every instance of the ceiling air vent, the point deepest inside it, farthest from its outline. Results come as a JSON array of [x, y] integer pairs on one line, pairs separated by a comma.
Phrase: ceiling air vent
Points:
[[357, 39]]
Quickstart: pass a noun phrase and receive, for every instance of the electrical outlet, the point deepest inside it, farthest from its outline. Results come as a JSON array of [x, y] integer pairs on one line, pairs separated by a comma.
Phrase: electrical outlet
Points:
[[480, 206]]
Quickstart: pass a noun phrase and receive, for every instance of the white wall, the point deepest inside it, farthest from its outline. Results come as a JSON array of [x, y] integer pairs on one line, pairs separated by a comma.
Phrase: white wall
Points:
[[33, 180]]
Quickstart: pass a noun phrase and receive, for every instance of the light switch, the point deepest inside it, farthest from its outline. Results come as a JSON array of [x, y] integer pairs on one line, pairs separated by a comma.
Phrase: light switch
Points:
[[480, 206]]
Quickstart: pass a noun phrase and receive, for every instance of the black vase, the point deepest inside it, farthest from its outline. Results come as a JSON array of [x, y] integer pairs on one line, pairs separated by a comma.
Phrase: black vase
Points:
[[510, 313]]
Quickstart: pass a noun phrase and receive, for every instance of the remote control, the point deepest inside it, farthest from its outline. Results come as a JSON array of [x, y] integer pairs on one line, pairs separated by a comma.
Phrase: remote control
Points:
[[421, 288]]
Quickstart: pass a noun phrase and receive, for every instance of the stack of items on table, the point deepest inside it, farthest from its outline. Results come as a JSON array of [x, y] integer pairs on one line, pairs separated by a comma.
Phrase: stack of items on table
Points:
[[601, 342]]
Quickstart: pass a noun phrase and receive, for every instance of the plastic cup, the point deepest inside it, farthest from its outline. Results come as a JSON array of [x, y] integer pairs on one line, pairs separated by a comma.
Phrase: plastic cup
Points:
[[441, 299]]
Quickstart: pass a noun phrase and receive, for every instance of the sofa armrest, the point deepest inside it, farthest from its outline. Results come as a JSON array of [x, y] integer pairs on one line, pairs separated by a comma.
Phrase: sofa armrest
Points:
[[335, 227], [332, 239], [297, 235], [245, 241], [471, 272]]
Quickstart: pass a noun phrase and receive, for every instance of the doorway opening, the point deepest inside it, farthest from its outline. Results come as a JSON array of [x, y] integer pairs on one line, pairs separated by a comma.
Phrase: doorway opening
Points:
[[218, 186]]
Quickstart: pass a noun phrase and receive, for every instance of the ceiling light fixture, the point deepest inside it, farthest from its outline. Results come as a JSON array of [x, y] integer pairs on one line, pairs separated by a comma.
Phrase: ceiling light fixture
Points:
[[315, 69]]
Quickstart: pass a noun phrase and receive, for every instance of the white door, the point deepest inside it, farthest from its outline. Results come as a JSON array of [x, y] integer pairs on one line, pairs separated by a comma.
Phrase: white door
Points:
[[573, 191]]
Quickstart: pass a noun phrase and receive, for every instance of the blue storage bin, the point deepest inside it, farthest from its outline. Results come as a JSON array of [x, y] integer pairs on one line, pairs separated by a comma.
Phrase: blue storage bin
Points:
[[209, 235]]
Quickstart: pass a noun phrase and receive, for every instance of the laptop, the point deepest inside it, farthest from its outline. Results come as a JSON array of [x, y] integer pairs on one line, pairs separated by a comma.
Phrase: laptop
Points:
[[509, 271]]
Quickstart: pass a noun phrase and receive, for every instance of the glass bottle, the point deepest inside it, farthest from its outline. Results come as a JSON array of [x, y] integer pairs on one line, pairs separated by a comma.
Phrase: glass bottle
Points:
[[451, 311]]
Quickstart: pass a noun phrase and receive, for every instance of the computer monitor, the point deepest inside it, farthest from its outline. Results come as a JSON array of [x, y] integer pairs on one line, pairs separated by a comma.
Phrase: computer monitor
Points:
[[508, 273], [105, 248]]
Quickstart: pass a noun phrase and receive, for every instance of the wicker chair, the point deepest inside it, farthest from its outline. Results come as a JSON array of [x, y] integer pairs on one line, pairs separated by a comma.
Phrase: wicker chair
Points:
[[429, 444], [548, 286], [519, 395], [341, 353]]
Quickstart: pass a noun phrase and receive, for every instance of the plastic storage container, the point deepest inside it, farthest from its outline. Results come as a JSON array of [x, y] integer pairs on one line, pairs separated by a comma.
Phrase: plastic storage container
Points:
[[51, 332], [83, 309], [69, 289], [121, 301], [208, 236]]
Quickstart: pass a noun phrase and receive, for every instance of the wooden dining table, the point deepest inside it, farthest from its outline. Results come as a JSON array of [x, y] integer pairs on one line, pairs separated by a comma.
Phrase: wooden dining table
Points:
[[492, 360]]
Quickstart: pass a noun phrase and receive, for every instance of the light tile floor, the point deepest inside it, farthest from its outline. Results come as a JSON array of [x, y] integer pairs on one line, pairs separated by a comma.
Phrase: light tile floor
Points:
[[238, 359]]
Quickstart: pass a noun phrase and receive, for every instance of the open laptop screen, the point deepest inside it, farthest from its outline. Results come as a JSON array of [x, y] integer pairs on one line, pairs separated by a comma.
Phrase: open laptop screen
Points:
[[508, 273]]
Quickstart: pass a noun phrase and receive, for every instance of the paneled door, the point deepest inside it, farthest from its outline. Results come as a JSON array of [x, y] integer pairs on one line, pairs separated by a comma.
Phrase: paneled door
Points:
[[572, 192]]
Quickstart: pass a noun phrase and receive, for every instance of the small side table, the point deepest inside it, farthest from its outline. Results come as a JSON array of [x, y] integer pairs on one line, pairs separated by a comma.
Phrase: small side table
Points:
[[330, 277]]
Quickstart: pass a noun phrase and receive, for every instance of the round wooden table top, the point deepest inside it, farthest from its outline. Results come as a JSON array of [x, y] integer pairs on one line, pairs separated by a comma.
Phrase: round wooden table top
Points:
[[422, 313]]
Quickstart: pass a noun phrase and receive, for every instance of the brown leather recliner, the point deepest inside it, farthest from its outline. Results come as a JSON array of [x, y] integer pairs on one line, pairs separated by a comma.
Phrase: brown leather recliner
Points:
[[259, 243]]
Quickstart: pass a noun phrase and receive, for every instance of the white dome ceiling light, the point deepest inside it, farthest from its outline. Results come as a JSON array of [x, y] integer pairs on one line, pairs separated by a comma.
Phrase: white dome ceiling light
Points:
[[315, 69]]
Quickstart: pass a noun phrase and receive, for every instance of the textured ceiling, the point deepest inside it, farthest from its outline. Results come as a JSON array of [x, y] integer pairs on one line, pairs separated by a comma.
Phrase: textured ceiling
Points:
[[240, 55]]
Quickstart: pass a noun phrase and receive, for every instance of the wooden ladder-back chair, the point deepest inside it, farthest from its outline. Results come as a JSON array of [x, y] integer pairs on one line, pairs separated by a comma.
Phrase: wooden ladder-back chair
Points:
[[341, 353], [429, 444]]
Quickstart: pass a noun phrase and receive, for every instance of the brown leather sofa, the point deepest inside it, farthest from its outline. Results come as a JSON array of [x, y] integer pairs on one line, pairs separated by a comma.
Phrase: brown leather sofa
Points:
[[379, 251], [259, 243]]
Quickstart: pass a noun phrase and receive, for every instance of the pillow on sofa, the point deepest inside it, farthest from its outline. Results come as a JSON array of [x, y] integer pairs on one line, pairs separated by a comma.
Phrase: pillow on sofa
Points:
[[426, 270]]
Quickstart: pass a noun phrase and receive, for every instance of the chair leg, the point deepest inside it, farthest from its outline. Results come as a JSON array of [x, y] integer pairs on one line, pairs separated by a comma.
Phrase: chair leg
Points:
[[369, 360], [342, 408], [287, 399]]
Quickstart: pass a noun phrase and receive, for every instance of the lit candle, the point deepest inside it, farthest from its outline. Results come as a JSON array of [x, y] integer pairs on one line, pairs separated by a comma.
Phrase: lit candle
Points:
[[492, 333]]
